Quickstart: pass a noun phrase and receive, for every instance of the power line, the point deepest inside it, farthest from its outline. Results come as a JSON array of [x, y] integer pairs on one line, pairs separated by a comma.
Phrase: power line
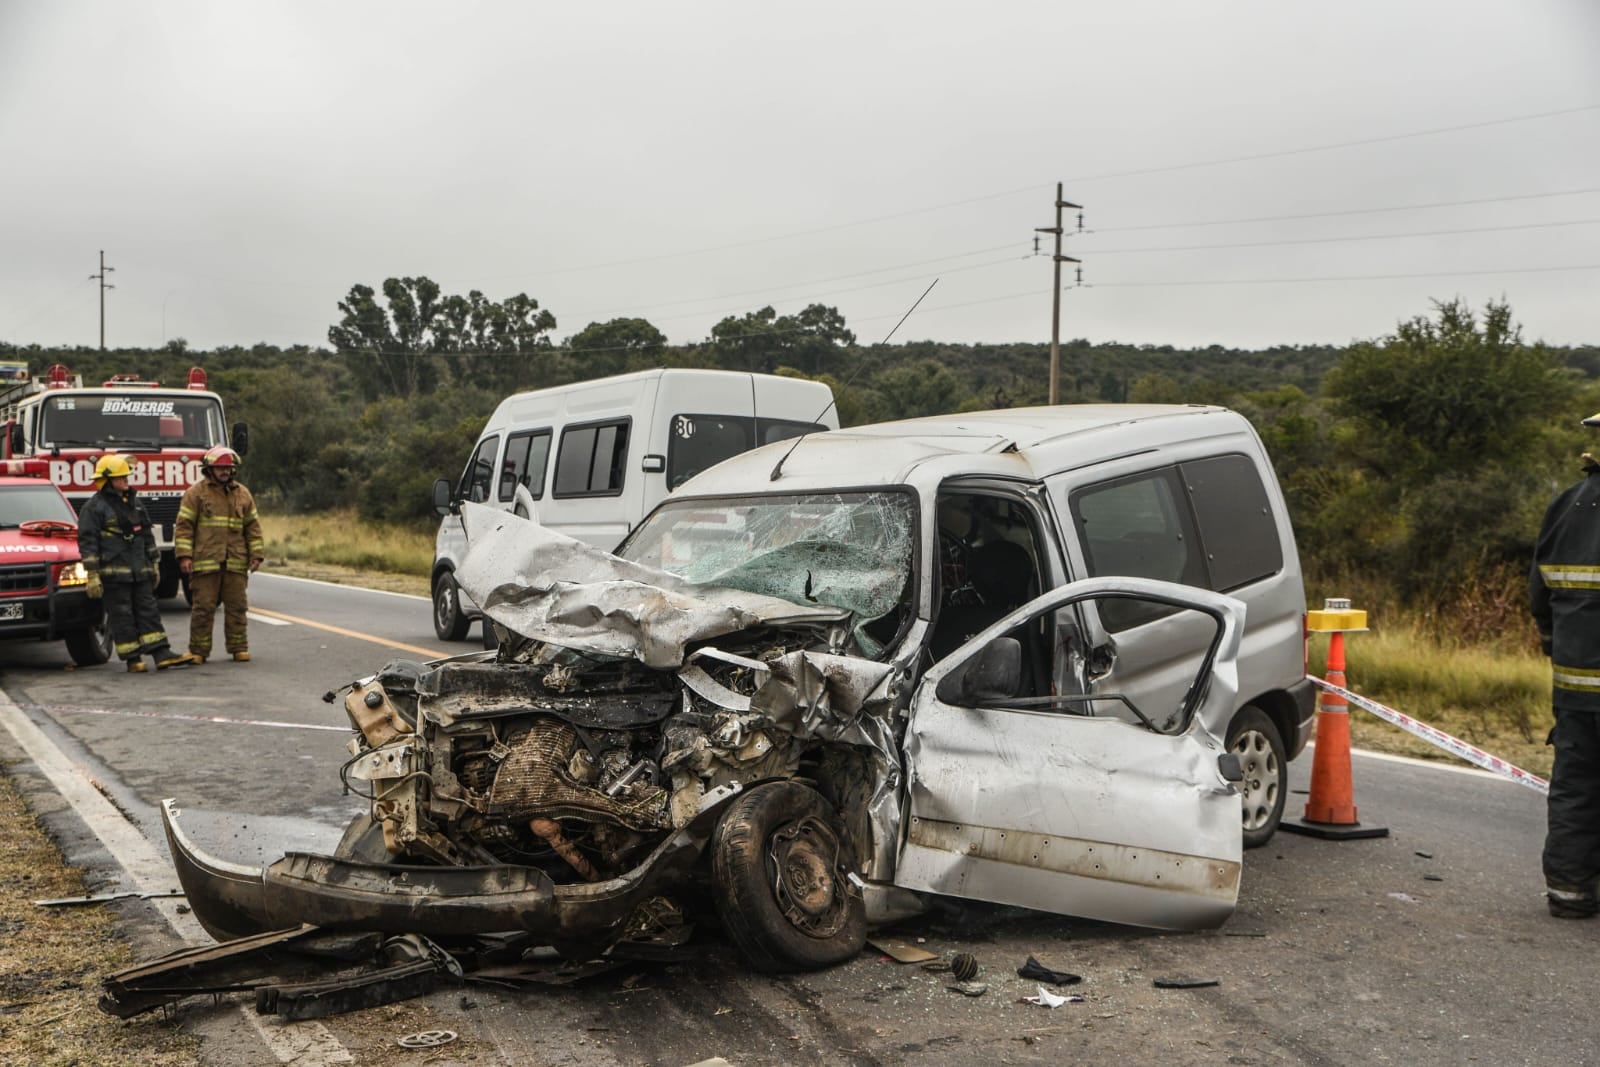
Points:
[[1164, 169], [1352, 211], [1353, 277], [813, 281], [1333, 240]]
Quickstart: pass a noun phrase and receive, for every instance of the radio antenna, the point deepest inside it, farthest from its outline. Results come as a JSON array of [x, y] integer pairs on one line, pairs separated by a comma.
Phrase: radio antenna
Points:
[[778, 467]]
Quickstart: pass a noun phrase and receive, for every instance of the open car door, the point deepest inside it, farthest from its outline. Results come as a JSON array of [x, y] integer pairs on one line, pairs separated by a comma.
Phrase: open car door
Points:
[[1070, 801]]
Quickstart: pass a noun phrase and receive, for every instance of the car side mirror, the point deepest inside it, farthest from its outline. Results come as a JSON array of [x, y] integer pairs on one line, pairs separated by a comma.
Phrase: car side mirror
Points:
[[993, 674], [442, 504], [241, 438]]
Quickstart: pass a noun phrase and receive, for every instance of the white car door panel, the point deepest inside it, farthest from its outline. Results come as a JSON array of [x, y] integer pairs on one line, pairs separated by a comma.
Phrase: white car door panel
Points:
[[1077, 811]]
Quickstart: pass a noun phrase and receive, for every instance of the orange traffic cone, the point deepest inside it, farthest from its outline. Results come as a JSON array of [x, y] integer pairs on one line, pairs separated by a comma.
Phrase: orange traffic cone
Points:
[[1331, 808]]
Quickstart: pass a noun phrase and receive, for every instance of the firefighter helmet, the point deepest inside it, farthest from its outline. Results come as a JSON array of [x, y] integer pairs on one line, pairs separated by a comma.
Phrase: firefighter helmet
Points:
[[220, 456], [111, 465]]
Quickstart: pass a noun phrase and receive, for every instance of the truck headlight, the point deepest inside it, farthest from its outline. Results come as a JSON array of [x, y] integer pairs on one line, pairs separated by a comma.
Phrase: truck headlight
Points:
[[70, 574]]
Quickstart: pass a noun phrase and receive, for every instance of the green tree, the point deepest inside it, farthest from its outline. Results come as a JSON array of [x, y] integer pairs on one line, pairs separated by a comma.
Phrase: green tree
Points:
[[603, 348], [399, 350], [1443, 424], [502, 346], [763, 341], [394, 343]]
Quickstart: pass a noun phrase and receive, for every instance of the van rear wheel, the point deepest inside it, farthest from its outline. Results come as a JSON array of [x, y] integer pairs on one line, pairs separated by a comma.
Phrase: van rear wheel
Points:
[[449, 621], [1254, 738]]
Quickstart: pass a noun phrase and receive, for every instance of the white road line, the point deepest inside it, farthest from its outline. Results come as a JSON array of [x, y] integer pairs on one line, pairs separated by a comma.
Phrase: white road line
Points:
[[268, 619], [305, 1044], [340, 585]]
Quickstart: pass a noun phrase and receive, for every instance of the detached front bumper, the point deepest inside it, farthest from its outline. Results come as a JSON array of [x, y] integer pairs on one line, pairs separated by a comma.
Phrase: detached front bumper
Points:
[[231, 900]]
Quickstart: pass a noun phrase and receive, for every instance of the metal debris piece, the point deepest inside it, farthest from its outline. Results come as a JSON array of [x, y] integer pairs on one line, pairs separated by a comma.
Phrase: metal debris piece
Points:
[[1424, 855], [1433, 878], [427, 1039], [1039, 972], [1185, 983], [234, 966], [964, 965], [106, 898], [335, 996], [902, 951]]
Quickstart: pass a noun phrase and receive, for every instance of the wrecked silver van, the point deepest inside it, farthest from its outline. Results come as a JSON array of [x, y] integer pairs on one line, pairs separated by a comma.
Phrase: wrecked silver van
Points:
[[751, 709]]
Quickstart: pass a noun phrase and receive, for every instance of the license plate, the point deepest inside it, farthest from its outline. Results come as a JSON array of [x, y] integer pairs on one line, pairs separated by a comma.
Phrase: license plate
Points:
[[11, 611]]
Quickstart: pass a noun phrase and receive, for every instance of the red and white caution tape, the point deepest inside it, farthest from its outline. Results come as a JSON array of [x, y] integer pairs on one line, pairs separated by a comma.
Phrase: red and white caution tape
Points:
[[1453, 745]]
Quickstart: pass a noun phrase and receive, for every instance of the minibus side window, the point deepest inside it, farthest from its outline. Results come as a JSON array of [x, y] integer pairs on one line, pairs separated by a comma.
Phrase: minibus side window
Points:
[[592, 460], [527, 454], [478, 478]]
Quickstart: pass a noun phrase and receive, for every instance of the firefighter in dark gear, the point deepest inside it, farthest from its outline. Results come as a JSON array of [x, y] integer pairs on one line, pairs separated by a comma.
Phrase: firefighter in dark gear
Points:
[[119, 551], [218, 543], [1564, 588]]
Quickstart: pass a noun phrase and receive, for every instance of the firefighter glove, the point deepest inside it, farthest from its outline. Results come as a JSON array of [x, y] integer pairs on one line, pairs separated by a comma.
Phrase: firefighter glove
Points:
[[93, 588]]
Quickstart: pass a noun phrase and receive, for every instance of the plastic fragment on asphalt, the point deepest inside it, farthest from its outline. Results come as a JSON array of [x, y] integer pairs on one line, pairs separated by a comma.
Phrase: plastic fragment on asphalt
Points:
[[1407, 897], [1185, 983], [969, 989], [1433, 878], [1424, 855], [1047, 999], [902, 951], [1039, 972]]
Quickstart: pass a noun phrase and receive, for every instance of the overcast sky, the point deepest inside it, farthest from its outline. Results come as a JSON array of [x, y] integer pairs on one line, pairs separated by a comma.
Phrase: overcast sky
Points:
[[1251, 173]]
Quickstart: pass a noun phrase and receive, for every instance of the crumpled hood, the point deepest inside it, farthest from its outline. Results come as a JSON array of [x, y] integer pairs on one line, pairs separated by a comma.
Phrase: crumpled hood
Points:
[[552, 588]]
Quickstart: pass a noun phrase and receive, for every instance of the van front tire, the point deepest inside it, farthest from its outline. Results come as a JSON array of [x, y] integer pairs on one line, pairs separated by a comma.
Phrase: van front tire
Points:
[[1254, 738], [449, 621]]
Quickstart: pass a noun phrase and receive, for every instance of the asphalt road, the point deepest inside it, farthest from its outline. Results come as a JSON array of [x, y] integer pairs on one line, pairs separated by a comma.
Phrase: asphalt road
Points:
[[1430, 946]]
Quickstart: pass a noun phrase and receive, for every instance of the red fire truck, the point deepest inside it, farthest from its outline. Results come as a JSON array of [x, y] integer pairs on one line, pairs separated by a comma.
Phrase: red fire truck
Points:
[[162, 431]]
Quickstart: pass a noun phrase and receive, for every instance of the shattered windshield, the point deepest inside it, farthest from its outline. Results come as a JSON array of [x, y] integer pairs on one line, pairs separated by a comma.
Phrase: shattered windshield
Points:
[[843, 550]]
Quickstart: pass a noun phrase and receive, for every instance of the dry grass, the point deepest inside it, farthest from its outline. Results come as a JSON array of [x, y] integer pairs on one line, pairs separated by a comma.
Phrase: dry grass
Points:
[[341, 540], [1492, 697], [52, 961]]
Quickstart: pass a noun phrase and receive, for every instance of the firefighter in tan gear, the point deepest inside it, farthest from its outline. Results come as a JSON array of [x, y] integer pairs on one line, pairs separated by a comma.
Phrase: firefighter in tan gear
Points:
[[218, 543]]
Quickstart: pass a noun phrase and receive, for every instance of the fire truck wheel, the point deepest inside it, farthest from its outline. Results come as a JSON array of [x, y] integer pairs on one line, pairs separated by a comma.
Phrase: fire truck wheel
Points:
[[167, 583], [90, 646]]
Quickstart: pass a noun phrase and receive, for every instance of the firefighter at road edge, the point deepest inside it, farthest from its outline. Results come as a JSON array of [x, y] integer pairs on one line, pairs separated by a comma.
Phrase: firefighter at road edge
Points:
[[119, 552], [1564, 591], [218, 543]]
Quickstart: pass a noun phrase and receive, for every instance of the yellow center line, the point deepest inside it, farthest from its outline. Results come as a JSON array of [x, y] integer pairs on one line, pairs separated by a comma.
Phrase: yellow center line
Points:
[[426, 653]]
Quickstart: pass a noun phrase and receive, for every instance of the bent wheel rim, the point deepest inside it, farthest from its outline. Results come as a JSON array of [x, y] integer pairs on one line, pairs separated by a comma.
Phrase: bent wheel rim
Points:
[[803, 859]]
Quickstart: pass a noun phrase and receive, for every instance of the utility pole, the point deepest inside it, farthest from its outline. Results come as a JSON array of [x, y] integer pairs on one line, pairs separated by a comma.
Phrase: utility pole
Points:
[[1055, 293], [101, 277]]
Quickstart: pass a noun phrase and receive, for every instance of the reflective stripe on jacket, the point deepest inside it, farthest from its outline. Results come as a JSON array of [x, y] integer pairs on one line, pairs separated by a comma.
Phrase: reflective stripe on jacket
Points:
[[1564, 593], [115, 540], [218, 527]]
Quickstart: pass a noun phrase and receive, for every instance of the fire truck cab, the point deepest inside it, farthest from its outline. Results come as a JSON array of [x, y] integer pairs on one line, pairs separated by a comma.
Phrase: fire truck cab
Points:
[[162, 430]]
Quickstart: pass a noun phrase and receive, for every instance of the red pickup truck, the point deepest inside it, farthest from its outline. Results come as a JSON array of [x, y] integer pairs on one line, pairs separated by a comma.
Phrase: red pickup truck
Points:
[[41, 578]]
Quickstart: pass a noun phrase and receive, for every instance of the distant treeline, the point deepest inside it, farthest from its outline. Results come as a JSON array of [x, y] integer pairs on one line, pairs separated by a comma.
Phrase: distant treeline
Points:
[[1422, 459]]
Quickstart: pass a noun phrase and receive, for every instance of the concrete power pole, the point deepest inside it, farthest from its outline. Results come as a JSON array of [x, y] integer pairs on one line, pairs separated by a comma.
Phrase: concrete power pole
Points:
[[101, 277], [1055, 292]]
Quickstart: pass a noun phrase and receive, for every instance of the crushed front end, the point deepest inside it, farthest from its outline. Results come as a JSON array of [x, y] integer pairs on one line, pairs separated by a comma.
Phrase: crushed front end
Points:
[[571, 790]]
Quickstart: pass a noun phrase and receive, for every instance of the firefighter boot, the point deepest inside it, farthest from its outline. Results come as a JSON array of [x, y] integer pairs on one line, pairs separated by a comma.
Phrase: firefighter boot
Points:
[[173, 659], [241, 657], [137, 666]]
